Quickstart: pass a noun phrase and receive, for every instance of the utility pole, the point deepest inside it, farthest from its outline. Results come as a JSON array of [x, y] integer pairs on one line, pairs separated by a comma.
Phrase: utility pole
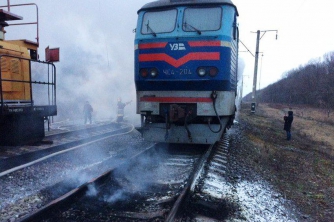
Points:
[[258, 38], [255, 71]]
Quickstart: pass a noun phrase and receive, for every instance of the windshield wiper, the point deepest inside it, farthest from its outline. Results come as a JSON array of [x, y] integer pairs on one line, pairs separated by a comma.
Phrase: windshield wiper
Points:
[[197, 30], [149, 28]]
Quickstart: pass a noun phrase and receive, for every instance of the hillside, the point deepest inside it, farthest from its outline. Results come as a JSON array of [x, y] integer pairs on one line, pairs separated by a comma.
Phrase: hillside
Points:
[[301, 169], [310, 84]]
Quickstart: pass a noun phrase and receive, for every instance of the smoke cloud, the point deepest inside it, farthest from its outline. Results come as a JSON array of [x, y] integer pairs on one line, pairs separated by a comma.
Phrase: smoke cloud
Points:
[[96, 42], [241, 68]]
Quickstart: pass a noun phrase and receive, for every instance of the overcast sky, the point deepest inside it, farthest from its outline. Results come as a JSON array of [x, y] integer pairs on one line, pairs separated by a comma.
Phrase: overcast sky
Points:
[[304, 33], [96, 40]]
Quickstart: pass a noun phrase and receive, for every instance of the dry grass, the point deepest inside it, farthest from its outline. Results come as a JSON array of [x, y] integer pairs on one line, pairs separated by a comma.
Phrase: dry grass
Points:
[[302, 169], [308, 122]]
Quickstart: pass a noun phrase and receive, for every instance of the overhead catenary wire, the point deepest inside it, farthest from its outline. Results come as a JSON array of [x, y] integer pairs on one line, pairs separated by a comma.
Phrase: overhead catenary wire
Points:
[[246, 48]]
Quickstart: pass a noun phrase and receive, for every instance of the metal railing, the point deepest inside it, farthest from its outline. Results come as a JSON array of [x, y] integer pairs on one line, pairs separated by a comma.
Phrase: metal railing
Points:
[[8, 6]]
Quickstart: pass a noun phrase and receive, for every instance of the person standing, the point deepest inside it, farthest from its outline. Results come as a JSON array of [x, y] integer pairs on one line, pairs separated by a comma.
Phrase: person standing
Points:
[[287, 124], [120, 109], [88, 109]]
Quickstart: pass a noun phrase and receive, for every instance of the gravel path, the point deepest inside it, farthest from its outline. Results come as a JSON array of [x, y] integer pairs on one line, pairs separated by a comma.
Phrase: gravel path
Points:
[[256, 198]]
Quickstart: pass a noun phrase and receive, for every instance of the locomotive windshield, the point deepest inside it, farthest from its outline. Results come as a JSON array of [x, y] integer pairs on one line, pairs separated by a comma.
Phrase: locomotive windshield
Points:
[[202, 19], [159, 22]]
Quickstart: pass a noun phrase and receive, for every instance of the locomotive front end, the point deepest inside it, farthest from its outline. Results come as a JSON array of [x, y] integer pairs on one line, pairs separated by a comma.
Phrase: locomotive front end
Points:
[[185, 70]]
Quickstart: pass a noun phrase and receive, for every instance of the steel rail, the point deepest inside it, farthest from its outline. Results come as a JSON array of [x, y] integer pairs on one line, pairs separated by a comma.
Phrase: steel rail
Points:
[[190, 185]]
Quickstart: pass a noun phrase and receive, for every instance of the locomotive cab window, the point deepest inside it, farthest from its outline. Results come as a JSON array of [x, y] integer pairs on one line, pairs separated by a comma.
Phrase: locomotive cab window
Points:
[[202, 19], [159, 22]]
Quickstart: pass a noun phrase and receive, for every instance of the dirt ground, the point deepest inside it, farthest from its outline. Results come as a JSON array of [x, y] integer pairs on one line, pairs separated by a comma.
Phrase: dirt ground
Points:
[[302, 169]]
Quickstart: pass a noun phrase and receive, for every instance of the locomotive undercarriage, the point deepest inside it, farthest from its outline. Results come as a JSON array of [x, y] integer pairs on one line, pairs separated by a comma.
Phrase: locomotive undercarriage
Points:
[[23, 124], [177, 115], [202, 121], [19, 129], [179, 123]]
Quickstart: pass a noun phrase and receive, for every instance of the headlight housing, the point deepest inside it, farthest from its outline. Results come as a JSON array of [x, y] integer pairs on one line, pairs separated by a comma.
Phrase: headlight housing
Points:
[[213, 71], [210, 70], [201, 71], [145, 72], [154, 72]]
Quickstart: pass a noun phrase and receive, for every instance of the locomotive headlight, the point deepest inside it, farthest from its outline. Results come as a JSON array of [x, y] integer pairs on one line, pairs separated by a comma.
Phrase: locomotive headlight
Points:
[[201, 71], [154, 72], [213, 71], [143, 72]]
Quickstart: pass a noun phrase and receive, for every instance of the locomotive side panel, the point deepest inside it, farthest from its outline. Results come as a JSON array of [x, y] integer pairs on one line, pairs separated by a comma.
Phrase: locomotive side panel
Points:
[[15, 69]]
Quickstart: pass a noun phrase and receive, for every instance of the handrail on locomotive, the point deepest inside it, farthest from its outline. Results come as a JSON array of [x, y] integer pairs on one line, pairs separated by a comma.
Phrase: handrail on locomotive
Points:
[[26, 23]]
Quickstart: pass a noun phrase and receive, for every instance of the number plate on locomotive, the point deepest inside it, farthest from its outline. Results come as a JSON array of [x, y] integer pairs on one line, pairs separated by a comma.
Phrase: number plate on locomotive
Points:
[[169, 72]]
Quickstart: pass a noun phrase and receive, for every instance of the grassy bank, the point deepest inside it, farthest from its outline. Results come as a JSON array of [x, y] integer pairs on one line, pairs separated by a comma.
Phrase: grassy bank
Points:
[[303, 168]]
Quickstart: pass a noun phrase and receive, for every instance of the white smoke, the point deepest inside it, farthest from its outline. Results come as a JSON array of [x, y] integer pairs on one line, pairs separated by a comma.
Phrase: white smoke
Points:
[[96, 53], [117, 196], [92, 191], [241, 67]]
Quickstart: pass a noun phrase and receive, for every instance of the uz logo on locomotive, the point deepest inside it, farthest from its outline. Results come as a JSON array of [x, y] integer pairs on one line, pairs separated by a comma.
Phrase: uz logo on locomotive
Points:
[[177, 46]]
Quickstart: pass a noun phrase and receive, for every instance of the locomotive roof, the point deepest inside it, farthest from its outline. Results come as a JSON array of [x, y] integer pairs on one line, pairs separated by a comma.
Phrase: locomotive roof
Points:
[[169, 3]]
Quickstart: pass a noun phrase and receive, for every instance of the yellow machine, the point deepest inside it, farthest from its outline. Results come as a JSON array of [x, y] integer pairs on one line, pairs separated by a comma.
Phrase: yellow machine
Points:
[[27, 85]]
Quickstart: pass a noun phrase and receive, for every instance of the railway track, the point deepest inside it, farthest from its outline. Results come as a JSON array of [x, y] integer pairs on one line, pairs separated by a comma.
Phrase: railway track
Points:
[[129, 180], [58, 135], [29, 185], [15, 158], [154, 185]]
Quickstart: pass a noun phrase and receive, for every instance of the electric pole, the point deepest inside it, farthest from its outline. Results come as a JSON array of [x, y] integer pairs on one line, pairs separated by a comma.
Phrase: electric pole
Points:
[[258, 38]]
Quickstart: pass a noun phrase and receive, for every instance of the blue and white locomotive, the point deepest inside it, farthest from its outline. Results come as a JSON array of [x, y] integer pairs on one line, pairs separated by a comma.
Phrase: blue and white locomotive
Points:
[[186, 56]]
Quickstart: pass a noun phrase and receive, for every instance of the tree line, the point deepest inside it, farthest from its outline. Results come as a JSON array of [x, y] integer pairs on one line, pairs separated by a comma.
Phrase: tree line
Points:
[[311, 84]]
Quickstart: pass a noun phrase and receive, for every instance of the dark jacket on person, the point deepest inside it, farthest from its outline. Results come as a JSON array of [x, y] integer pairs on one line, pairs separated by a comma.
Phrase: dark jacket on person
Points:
[[120, 107], [88, 109], [288, 121]]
